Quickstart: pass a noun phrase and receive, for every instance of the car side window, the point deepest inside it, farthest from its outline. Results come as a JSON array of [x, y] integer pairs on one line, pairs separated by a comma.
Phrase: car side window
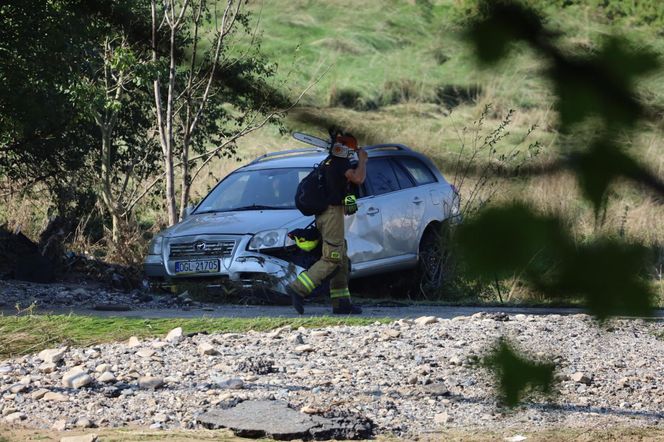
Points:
[[404, 180], [418, 170], [381, 176]]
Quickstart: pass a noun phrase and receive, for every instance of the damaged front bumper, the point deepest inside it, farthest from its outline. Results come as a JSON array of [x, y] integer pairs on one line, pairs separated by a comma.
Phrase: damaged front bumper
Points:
[[243, 268]]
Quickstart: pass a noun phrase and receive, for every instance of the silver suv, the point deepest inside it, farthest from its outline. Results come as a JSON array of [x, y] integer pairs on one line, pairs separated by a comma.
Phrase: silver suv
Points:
[[238, 234]]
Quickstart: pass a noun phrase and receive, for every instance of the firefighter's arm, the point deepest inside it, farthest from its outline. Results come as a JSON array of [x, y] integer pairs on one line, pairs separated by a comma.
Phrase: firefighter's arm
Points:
[[357, 175]]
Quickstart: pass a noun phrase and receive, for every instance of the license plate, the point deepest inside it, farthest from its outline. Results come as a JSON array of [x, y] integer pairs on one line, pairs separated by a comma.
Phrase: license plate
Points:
[[197, 266]]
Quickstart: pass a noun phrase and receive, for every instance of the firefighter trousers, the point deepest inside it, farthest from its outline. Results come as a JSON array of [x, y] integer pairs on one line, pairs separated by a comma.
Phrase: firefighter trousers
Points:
[[333, 261]]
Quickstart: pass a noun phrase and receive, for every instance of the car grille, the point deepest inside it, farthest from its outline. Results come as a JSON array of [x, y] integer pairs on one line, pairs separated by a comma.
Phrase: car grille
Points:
[[202, 248]]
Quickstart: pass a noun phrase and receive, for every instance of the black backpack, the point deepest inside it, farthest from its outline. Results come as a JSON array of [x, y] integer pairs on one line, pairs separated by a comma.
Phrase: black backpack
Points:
[[311, 193]]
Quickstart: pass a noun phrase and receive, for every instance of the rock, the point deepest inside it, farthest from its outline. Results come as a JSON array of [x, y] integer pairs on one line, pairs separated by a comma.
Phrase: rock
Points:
[[412, 380], [85, 438], [60, 425], [390, 334], [106, 377], [38, 394], [55, 397], [133, 342], [296, 339], [4, 369], [84, 422], [150, 382], [435, 389], [174, 336], [426, 320], [442, 418], [230, 384], [15, 417], [207, 349], [581, 378], [18, 388], [52, 355], [272, 419], [146, 353], [47, 367], [319, 333], [101, 368], [76, 378], [515, 438], [305, 348]]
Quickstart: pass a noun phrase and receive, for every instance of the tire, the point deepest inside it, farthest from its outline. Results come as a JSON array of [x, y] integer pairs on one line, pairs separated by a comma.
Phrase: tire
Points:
[[433, 261]]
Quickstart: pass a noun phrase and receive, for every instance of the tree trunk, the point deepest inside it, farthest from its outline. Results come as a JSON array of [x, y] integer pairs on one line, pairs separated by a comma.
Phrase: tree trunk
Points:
[[186, 180], [106, 190]]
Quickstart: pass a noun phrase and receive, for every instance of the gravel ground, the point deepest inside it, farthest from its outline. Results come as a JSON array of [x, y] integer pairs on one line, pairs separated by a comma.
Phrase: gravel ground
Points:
[[410, 377]]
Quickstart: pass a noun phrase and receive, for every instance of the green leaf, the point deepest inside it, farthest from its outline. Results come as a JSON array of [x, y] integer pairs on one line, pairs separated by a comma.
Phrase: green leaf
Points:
[[516, 374], [503, 241], [609, 275], [499, 25], [599, 166]]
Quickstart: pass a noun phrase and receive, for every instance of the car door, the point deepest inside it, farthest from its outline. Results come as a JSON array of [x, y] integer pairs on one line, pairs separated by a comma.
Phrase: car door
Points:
[[403, 211], [364, 229]]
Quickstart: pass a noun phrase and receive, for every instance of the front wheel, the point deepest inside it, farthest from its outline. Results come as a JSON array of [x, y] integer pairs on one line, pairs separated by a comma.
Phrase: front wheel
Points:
[[434, 260]]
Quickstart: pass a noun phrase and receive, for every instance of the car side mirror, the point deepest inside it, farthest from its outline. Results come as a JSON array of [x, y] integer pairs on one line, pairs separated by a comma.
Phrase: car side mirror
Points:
[[188, 211]]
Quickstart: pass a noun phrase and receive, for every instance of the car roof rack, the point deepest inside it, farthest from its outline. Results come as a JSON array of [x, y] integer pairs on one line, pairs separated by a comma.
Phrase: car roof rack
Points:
[[288, 152], [387, 146]]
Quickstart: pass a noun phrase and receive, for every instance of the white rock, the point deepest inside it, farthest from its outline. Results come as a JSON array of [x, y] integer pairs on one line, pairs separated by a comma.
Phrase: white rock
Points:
[[15, 417], [54, 396], [38, 394], [426, 320], [442, 418], [84, 438], [101, 368], [133, 342], [159, 345], [84, 422], [305, 348], [52, 355], [106, 377], [150, 382], [581, 378], [207, 349], [76, 378], [47, 367], [146, 353], [60, 425], [516, 438], [174, 336], [18, 388]]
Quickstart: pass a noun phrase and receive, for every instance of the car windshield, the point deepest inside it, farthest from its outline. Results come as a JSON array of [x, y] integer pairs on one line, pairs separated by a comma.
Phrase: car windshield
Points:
[[267, 189]]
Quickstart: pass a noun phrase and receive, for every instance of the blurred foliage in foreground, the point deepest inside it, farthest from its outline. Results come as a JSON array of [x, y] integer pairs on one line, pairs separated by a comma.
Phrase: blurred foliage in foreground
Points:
[[593, 90]]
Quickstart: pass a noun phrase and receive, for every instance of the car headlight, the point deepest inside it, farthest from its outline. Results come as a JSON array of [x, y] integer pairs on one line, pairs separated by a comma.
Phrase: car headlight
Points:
[[270, 239], [155, 245]]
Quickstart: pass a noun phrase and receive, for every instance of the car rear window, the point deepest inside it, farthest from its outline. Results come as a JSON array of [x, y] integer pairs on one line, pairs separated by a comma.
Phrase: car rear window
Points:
[[381, 176], [419, 171], [405, 181]]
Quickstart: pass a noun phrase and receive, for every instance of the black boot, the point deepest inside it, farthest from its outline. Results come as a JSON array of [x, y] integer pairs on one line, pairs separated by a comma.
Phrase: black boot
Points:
[[343, 306], [296, 299]]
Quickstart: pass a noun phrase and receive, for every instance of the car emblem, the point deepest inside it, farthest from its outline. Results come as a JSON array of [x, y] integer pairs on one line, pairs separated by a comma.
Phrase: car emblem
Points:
[[200, 246]]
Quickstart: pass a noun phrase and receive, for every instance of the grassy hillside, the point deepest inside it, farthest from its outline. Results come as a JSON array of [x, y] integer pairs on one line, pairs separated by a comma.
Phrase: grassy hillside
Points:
[[398, 70]]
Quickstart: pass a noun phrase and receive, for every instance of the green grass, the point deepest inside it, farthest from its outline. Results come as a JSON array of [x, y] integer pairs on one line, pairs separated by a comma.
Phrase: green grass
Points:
[[28, 334]]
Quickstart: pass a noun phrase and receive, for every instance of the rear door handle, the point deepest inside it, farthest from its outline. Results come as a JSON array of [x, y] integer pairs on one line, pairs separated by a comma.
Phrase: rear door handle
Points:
[[372, 211], [417, 200]]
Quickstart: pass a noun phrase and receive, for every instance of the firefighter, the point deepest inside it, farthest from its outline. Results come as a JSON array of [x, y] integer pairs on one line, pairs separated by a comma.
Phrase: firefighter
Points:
[[334, 261]]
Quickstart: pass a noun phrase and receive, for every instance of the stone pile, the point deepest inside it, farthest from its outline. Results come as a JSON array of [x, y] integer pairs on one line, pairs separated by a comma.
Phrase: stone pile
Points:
[[406, 378]]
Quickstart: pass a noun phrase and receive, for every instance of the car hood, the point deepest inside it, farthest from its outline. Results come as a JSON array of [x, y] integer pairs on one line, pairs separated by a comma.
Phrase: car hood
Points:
[[236, 223]]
